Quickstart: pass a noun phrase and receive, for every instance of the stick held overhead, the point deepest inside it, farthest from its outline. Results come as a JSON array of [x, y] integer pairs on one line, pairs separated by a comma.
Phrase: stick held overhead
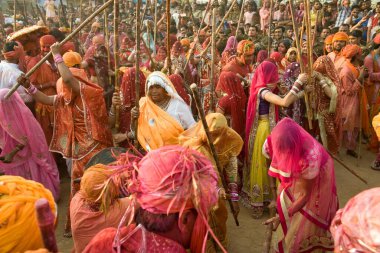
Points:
[[69, 37]]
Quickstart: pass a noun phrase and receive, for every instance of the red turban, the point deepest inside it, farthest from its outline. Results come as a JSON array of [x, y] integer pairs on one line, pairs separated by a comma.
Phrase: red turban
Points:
[[68, 46], [356, 227], [340, 36], [350, 51], [245, 47], [47, 40]]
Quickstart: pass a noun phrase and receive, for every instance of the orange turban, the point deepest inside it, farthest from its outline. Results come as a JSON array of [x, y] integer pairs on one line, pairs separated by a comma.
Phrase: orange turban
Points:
[[340, 36], [329, 39], [350, 51], [376, 40], [185, 42], [72, 58], [246, 47], [47, 40]]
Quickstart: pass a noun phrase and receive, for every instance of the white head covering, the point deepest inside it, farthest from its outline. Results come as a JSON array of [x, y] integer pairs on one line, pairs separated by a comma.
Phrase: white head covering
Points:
[[158, 78]]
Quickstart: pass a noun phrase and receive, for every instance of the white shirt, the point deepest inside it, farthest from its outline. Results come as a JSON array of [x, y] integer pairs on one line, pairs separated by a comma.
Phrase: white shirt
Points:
[[181, 113], [9, 72]]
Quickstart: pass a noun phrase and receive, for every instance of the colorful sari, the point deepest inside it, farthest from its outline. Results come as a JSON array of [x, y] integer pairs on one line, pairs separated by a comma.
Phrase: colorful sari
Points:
[[34, 161], [158, 127], [300, 162], [256, 188]]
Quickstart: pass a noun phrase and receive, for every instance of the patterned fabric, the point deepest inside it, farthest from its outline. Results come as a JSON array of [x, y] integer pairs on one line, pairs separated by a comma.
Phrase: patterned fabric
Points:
[[343, 13]]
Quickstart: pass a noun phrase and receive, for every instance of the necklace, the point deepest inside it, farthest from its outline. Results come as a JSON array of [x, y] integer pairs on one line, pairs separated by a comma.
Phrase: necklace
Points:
[[164, 106]]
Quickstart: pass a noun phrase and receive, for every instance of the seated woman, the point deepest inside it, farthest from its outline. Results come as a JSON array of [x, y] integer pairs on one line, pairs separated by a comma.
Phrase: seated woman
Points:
[[163, 115], [96, 206], [23, 148], [228, 145], [307, 198]]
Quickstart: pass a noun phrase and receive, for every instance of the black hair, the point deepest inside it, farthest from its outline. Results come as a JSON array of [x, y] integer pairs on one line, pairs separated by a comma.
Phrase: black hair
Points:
[[256, 28], [9, 46], [355, 7], [356, 33], [58, 35], [280, 27], [156, 223]]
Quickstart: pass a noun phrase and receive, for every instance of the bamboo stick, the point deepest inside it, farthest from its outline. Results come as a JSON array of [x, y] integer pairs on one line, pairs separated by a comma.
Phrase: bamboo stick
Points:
[[116, 17], [201, 115], [270, 26], [14, 15], [310, 61], [107, 39], [41, 15], [69, 37], [137, 65], [155, 22], [240, 16], [360, 123], [297, 39], [168, 58], [213, 47]]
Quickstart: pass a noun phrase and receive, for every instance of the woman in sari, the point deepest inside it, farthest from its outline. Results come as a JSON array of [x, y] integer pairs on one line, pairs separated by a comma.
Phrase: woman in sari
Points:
[[324, 100], [261, 118], [23, 148], [178, 84], [307, 198], [228, 145], [290, 57], [232, 101], [229, 50], [163, 115]]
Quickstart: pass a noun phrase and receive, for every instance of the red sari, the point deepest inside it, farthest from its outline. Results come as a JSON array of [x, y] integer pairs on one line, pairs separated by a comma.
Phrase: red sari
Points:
[[80, 123]]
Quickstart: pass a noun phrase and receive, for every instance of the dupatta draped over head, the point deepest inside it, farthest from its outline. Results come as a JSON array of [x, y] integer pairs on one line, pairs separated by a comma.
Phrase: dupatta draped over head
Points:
[[265, 74], [296, 155], [156, 127], [234, 99], [19, 126]]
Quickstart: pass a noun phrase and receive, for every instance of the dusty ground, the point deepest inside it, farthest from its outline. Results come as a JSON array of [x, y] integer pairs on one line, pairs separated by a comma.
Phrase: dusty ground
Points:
[[249, 236]]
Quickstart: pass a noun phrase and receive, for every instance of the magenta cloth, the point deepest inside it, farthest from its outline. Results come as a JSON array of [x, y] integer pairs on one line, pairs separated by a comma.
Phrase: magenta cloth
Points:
[[277, 57], [231, 44], [34, 161], [356, 227], [295, 155], [262, 55], [265, 74]]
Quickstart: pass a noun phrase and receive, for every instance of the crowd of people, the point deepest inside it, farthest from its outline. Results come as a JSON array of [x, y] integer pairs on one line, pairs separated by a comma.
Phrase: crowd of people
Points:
[[285, 89]]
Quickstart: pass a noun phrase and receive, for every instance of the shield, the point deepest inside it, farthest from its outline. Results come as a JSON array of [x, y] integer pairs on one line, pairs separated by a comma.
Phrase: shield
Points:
[[27, 34], [106, 156]]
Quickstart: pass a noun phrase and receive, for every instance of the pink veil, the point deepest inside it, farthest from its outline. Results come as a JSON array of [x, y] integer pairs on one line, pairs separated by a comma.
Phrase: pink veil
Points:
[[296, 154], [34, 161]]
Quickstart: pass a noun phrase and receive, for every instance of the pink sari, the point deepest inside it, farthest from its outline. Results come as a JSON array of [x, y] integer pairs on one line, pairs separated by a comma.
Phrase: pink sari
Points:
[[297, 158], [34, 161]]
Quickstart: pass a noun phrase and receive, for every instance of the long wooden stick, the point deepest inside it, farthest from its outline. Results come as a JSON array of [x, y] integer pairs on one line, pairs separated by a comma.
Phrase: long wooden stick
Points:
[[297, 39], [347, 168], [107, 39], [14, 15], [69, 37], [201, 115], [269, 232], [270, 26], [240, 17], [310, 61], [155, 22], [41, 15], [168, 58], [116, 57], [213, 54], [137, 64], [360, 123]]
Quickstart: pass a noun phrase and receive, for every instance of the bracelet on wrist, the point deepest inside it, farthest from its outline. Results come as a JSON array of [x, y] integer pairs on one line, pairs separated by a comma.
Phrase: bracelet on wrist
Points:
[[31, 90]]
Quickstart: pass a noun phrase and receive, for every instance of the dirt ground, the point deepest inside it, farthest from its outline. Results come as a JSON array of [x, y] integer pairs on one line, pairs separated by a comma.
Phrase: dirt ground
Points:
[[249, 236]]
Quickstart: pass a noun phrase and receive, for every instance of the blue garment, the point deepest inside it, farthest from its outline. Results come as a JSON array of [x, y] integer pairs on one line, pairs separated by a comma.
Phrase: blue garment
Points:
[[343, 13]]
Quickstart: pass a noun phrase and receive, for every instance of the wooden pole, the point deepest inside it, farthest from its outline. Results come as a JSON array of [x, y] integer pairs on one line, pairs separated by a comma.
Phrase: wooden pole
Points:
[[116, 57], [155, 22], [201, 115], [81, 10], [41, 15], [143, 15], [107, 40], [297, 39], [69, 37], [169, 62], [310, 61], [360, 123], [240, 17], [25, 13], [270, 26], [213, 54], [46, 223], [137, 65], [14, 15]]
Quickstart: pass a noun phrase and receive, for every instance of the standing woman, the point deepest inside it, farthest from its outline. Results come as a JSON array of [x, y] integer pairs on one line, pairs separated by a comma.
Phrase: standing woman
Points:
[[232, 101], [307, 198], [261, 118], [24, 151]]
